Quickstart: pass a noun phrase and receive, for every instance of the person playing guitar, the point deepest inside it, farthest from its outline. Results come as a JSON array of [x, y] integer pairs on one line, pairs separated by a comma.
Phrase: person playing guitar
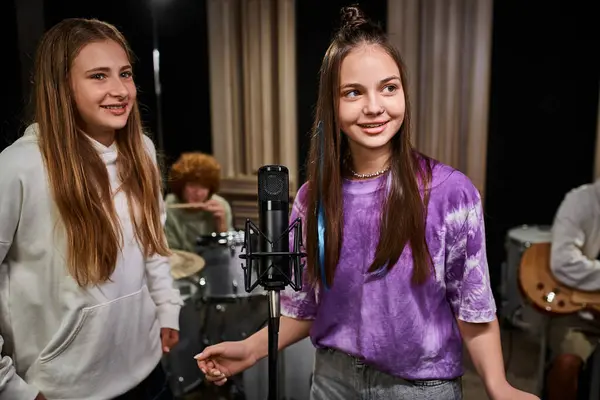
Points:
[[574, 263]]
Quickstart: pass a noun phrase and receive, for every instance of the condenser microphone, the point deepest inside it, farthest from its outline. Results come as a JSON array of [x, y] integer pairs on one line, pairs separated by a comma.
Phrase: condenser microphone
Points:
[[273, 216], [273, 263]]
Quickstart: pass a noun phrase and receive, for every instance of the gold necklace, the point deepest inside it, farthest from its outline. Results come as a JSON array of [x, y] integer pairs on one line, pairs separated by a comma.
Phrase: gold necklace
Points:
[[371, 175]]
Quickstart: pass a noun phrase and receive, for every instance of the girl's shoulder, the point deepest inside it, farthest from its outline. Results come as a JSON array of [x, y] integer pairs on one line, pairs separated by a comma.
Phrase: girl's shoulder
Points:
[[22, 155], [451, 188]]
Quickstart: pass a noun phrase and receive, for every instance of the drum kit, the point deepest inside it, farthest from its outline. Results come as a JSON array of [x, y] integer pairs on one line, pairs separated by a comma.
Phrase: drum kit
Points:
[[217, 308]]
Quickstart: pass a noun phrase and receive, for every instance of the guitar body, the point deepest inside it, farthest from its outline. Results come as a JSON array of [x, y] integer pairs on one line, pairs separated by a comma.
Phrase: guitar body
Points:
[[543, 290]]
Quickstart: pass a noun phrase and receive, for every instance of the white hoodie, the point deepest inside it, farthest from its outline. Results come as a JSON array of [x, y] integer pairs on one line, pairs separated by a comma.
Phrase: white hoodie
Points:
[[69, 342]]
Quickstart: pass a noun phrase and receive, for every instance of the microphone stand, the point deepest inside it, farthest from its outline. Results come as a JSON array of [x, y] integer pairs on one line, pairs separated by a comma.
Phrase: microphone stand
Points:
[[274, 316], [273, 287]]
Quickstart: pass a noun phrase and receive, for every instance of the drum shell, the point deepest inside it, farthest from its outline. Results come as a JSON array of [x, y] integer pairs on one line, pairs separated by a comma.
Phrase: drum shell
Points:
[[514, 306], [223, 272]]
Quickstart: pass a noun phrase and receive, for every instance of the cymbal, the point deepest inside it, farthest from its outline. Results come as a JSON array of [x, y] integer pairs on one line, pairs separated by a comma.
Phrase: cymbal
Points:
[[185, 264]]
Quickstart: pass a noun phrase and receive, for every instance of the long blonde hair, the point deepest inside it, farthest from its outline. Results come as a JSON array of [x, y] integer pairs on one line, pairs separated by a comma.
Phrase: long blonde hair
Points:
[[78, 177]]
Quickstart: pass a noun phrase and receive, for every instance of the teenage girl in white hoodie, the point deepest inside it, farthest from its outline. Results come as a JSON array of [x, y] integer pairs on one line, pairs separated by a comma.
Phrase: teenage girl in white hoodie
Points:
[[87, 305]]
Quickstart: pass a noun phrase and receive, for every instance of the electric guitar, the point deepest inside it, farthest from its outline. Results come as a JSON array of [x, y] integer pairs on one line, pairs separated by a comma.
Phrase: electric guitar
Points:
[[542, 289]]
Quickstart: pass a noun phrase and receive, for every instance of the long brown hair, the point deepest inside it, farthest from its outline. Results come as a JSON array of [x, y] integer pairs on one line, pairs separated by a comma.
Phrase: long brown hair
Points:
[[404, 213], [78, 177]]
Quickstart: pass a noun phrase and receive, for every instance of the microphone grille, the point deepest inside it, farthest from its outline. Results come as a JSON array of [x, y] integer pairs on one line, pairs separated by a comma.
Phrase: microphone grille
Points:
[[273, 183]]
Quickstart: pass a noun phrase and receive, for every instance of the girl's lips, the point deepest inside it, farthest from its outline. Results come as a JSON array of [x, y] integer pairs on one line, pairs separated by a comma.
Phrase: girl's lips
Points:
[[373, 128]]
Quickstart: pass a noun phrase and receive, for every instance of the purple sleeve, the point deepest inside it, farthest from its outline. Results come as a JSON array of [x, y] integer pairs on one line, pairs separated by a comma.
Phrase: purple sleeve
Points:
[[301, 304], [468, 288]]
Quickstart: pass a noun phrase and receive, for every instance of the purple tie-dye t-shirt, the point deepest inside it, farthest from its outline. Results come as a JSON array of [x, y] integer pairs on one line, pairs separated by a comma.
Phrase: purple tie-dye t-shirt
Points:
[[404, 330]]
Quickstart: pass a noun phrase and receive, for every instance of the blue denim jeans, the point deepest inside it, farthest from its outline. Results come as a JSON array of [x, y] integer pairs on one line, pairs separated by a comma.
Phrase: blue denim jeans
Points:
[[338, 376]]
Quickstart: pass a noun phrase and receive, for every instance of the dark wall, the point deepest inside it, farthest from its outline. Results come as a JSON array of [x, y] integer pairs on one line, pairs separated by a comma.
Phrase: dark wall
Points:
[[11, 94], [544, 104], [316, 22], [185, 77]]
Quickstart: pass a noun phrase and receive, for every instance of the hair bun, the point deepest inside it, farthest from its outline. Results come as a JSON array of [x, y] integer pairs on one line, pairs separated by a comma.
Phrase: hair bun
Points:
[[352, 17]]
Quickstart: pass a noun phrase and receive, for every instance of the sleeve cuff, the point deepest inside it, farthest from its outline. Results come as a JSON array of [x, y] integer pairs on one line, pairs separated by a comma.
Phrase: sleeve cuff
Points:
[[17, 388], [168, 316], [290, 312], [477, 317]]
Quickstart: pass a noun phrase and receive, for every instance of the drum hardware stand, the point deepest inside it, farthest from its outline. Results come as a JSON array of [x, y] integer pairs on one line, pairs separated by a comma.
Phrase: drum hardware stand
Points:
[[273, 287]]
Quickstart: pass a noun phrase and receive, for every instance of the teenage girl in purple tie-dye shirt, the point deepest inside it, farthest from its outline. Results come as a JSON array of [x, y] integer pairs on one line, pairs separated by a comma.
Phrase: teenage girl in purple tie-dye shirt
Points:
[[404, 279]]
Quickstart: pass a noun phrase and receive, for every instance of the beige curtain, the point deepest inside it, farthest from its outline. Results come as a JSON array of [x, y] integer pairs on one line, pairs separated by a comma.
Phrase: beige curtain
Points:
[[253, 93], [446, 45]]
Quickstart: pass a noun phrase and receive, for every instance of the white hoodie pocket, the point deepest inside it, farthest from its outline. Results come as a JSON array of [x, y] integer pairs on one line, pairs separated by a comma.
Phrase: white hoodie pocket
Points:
[[112, 347]]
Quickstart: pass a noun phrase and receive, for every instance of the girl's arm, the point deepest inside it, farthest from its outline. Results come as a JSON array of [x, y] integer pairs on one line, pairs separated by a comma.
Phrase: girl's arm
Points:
[[12, 386], [469, 292], [483, 344]]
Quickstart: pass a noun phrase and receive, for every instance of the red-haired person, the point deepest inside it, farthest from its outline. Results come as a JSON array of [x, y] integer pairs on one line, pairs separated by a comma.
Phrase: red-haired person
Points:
[[195, 179]]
